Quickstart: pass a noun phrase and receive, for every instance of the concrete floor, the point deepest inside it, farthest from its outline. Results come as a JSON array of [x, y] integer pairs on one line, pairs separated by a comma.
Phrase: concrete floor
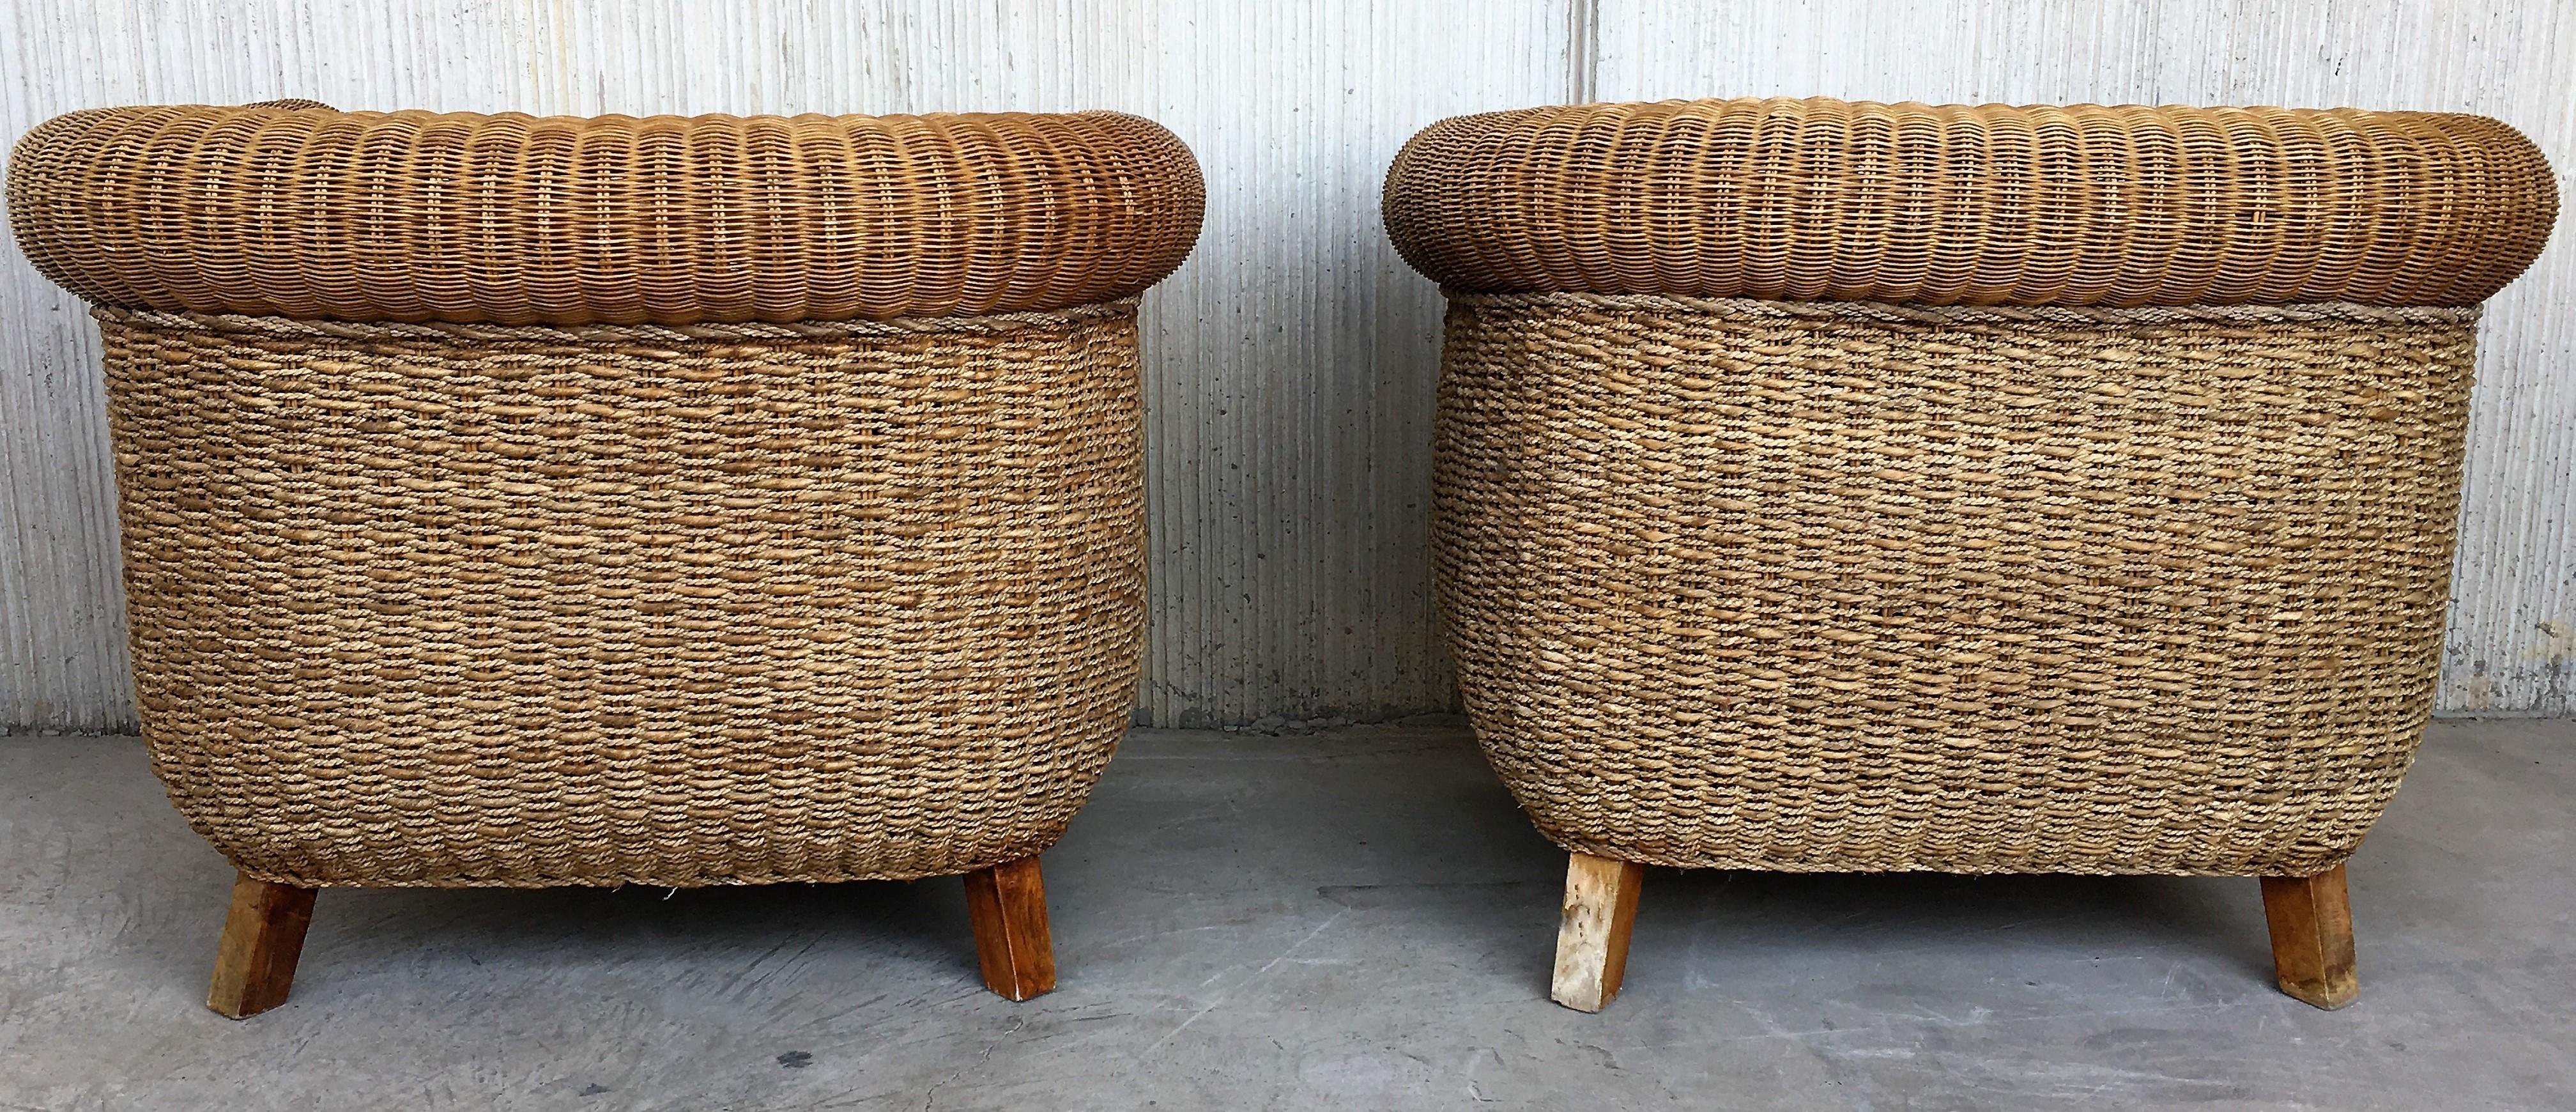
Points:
[[1352, 919]]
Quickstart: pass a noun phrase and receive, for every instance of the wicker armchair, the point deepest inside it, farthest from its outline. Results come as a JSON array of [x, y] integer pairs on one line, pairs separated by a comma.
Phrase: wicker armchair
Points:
[[1846, 486], [523, 502]]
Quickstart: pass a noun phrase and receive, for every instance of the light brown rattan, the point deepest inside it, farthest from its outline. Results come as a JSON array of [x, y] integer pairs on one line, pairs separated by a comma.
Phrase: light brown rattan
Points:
[[1842, 586], [2081, 205], [299, 211], [463, 604]]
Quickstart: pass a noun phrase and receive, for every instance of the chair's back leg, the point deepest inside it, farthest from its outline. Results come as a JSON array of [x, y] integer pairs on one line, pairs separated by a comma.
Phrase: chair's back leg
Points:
[[1592, 942], [2311, 920], [1008, 905], [263, 935]]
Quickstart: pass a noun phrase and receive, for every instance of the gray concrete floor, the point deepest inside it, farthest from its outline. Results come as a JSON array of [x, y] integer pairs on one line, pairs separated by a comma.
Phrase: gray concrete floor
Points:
[[1352, 919]]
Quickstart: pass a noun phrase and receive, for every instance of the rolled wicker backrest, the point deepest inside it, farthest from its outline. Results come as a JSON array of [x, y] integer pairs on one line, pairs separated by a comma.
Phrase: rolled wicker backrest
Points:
[[513, 219], [2081, 498], [514, 501], [1987, 205]]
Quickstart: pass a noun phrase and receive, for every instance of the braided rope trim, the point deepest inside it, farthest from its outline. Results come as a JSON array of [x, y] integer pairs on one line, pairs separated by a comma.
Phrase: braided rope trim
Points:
[[989, 324], [1973, 314]]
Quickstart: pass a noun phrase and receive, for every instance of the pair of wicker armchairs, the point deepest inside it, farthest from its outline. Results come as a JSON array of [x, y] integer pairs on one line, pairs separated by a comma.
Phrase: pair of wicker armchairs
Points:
[[523, 502]]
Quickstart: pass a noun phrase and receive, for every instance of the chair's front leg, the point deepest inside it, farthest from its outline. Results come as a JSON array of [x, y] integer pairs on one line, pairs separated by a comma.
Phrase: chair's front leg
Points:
[[1008, 905], [263, 935], [1592, 941], [2311, 921]]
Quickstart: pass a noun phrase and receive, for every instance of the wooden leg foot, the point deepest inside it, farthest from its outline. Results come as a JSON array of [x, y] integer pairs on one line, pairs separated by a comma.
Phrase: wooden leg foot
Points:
[[1592, 942], [263, 935], [1008, 905], [2311, 920]]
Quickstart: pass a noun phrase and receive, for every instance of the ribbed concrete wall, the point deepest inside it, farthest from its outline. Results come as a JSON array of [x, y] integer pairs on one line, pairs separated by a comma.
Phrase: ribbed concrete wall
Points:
[[1290, 363]]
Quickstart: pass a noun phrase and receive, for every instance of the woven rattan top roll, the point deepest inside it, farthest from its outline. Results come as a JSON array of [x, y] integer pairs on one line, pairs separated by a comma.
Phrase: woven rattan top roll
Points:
[[2085, 205], [307, 212]]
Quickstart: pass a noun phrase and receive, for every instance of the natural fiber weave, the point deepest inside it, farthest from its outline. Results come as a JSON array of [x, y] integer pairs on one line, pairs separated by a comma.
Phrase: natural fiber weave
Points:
[[1862, 587], [485, 605], [1954, 205], [410, 216]]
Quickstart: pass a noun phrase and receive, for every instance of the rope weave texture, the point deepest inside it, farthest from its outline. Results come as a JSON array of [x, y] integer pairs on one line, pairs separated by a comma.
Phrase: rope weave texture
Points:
[[1739, 584], [473, 605]]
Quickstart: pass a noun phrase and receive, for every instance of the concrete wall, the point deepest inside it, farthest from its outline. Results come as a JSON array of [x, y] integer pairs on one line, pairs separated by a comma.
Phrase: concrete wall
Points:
[[1290, 363]]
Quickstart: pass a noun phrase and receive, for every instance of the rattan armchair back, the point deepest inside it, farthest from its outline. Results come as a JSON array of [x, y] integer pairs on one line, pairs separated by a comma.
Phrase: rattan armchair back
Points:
[[1923, 204], [518, 501], [515, 219], [1842, 486]]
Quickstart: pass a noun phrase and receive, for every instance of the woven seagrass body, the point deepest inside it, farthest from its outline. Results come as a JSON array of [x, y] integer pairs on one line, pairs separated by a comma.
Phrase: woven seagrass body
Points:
[[483, 601], [481, 605], [2046, 586], [1740, 584]]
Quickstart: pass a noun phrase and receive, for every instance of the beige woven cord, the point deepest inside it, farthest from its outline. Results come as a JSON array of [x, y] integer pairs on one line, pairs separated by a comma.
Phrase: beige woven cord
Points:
[[476, 605], [1738, 585]]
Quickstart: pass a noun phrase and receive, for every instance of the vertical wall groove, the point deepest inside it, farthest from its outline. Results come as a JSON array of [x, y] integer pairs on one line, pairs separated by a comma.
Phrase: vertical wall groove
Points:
[[1583, 52]]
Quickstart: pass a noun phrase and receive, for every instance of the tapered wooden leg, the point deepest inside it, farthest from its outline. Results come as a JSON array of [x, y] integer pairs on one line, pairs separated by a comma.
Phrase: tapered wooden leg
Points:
[[2311, 920], [1008, 904], [263, 935], [1592, 942]]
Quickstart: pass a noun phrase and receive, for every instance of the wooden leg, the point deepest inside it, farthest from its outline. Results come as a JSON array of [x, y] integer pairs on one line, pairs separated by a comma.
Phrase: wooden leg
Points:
[[1008, 904], [1592, 942], [2311, 920], [263, 935]]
